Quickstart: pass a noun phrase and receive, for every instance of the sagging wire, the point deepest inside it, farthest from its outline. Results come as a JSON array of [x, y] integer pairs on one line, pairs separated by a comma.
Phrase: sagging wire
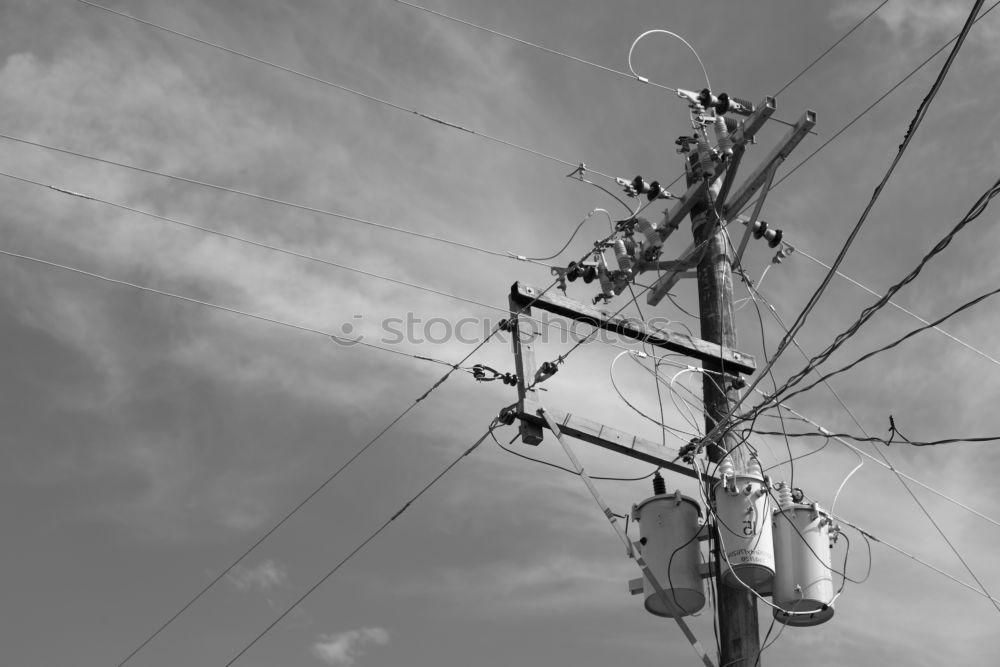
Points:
[[660, 423], [836, 496], [578, 173], [643, 79], [569, 240]]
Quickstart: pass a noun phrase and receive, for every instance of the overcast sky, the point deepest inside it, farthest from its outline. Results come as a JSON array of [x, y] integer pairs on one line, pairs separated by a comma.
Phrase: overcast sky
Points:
[[149, 441]]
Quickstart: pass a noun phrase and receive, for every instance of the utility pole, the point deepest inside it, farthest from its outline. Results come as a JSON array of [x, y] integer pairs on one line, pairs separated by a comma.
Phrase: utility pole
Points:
[[711, 198], [737, 607]]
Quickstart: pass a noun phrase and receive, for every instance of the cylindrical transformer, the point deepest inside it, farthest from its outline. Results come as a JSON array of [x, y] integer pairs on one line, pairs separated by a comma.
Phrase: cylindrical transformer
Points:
[[803, 580], [668, 531], [743, 510]]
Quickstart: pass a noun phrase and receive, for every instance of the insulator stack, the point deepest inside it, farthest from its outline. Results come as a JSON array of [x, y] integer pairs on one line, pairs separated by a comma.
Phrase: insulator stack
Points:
[[621, 254], [785, 497], [741, 106], [726, 469], [722, 136], [659, 484]]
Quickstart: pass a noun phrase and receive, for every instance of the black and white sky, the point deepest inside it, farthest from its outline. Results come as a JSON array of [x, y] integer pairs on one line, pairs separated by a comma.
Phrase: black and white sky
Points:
[[147, 441]]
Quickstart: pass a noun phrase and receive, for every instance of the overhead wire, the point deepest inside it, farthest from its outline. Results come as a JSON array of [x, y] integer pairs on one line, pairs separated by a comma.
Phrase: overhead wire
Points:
[[362, 545], [258, 197], [831, 47], [977, 209], [536, 46], [898, 341], [916, 559], [293, 253], [915, 123], [889, 466], [329, 479], [724, 424], [897, 306], [340, 87], [343, 340], [871, 106]]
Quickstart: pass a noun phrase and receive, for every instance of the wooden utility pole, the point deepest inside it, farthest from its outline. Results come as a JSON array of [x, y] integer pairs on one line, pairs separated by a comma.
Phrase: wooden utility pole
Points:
[[737, 607]]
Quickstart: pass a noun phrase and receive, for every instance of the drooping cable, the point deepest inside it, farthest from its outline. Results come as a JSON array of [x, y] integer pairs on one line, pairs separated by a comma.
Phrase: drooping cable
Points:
[[708, 84], [889, 467]]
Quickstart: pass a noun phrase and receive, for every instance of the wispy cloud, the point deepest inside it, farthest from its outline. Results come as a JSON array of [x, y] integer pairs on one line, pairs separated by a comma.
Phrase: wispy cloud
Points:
[[265, 575], [343, 649]]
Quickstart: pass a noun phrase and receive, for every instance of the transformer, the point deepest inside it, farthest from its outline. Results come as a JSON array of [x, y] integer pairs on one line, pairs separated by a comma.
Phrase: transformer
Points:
[[669, 525]]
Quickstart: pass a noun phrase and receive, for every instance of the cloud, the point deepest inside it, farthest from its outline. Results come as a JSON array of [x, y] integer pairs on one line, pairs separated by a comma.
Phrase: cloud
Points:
[[264, 576], [346, 647]]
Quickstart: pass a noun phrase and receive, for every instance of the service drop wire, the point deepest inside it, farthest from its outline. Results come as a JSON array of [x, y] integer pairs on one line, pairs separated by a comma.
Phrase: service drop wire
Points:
[[361, 546]]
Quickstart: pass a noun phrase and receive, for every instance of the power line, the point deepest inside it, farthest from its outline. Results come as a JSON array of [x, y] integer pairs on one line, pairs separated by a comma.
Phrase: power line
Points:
[[723, 424], [326, 482], [902, 552], [898, 341], [875, 103], [831, 47], [361, 546], [634, 77], [343, 88], [977, 209], [292, 253], [799, 251], [908, 137], [347, 342], [259, 197], [886, 465]]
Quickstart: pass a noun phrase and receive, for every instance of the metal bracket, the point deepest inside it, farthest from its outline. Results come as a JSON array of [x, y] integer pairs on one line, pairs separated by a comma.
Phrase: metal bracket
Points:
[[777, 155]]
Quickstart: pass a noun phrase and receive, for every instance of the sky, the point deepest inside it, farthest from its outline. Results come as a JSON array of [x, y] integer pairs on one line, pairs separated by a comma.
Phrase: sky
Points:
[[148, 440]]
